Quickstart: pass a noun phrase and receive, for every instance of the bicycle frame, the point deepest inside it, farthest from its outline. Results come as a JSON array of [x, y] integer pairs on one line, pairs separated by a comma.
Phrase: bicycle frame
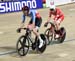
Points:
[[28, 34], [25, 41], [52, 27]]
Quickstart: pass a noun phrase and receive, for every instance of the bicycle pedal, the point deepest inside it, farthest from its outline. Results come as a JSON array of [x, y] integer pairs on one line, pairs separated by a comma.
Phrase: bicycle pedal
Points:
[[33, 46], [57, 36]]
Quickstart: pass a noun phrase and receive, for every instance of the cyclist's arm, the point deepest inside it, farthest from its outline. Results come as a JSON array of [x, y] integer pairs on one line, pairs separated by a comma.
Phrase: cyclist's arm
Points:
[[33, 18], [58, 14], [48, 20], [49, 17], [23, 21]]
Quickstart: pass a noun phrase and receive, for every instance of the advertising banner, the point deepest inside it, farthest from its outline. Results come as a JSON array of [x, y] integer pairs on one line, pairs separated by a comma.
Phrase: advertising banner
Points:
[[6, 7], [72, 0], [58, 2]]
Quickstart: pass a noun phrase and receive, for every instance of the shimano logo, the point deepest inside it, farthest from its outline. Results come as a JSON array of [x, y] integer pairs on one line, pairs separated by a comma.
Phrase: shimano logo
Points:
[[16, 6]]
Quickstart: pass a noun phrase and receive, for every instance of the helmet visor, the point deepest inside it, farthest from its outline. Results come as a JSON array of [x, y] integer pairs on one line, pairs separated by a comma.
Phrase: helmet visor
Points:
[[51, 9]]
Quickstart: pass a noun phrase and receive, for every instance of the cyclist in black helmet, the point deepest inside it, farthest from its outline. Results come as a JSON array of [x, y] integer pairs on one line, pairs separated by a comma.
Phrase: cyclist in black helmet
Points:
[[34, 23]]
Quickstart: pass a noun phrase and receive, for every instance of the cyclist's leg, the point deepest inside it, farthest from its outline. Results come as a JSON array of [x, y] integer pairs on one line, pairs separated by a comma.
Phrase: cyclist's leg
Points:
[[38, 24], [30, 25], [57, 24]]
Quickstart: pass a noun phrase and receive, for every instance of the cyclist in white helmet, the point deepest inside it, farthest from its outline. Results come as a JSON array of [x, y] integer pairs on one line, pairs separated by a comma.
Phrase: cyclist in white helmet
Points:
[[57, 15]]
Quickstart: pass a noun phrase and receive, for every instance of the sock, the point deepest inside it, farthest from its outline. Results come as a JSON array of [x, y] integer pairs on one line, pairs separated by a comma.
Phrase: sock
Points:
[[41, 41]]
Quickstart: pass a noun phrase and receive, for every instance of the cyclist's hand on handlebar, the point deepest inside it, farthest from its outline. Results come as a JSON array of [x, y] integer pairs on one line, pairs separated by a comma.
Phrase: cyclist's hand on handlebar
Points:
[[19, 30], [45, 25]]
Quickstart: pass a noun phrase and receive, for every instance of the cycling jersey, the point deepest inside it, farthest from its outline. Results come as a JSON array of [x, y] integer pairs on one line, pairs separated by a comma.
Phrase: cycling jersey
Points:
[[57, 14], [33, 14]]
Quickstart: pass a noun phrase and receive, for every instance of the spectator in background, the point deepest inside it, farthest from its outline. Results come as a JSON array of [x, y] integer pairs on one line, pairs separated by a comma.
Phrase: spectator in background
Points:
[[44, 1], [1, 0]]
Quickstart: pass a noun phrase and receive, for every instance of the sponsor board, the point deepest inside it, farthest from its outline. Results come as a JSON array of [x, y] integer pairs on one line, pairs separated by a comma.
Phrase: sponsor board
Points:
[[72, 0], [58, 2], [6, 7]]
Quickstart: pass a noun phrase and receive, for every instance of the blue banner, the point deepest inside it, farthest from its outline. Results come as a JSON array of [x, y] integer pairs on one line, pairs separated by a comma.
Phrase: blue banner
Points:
[[6, 7]]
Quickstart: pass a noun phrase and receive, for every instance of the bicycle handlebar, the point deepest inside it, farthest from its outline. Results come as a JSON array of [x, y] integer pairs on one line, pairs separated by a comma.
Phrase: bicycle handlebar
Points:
[[24, 28], [52, 24], [27, 29]]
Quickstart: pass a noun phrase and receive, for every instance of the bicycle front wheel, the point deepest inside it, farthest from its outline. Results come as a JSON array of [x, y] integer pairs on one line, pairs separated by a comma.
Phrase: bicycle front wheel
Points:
[[22, 46], [49, 35]]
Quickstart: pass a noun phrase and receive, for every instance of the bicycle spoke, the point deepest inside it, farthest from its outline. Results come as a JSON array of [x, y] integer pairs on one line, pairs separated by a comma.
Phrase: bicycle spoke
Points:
[[20, 48], [49, 36], [21, 43], [23, 51], [26, 46]]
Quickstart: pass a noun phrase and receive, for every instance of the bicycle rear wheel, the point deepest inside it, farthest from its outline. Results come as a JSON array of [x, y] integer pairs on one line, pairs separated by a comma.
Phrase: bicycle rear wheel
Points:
[[63, 36], [22, 46], [49, 35], [42, 49]]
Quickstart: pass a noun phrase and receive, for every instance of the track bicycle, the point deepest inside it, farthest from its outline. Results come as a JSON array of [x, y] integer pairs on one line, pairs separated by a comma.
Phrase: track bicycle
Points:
[[25, 42], [50, 33]]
